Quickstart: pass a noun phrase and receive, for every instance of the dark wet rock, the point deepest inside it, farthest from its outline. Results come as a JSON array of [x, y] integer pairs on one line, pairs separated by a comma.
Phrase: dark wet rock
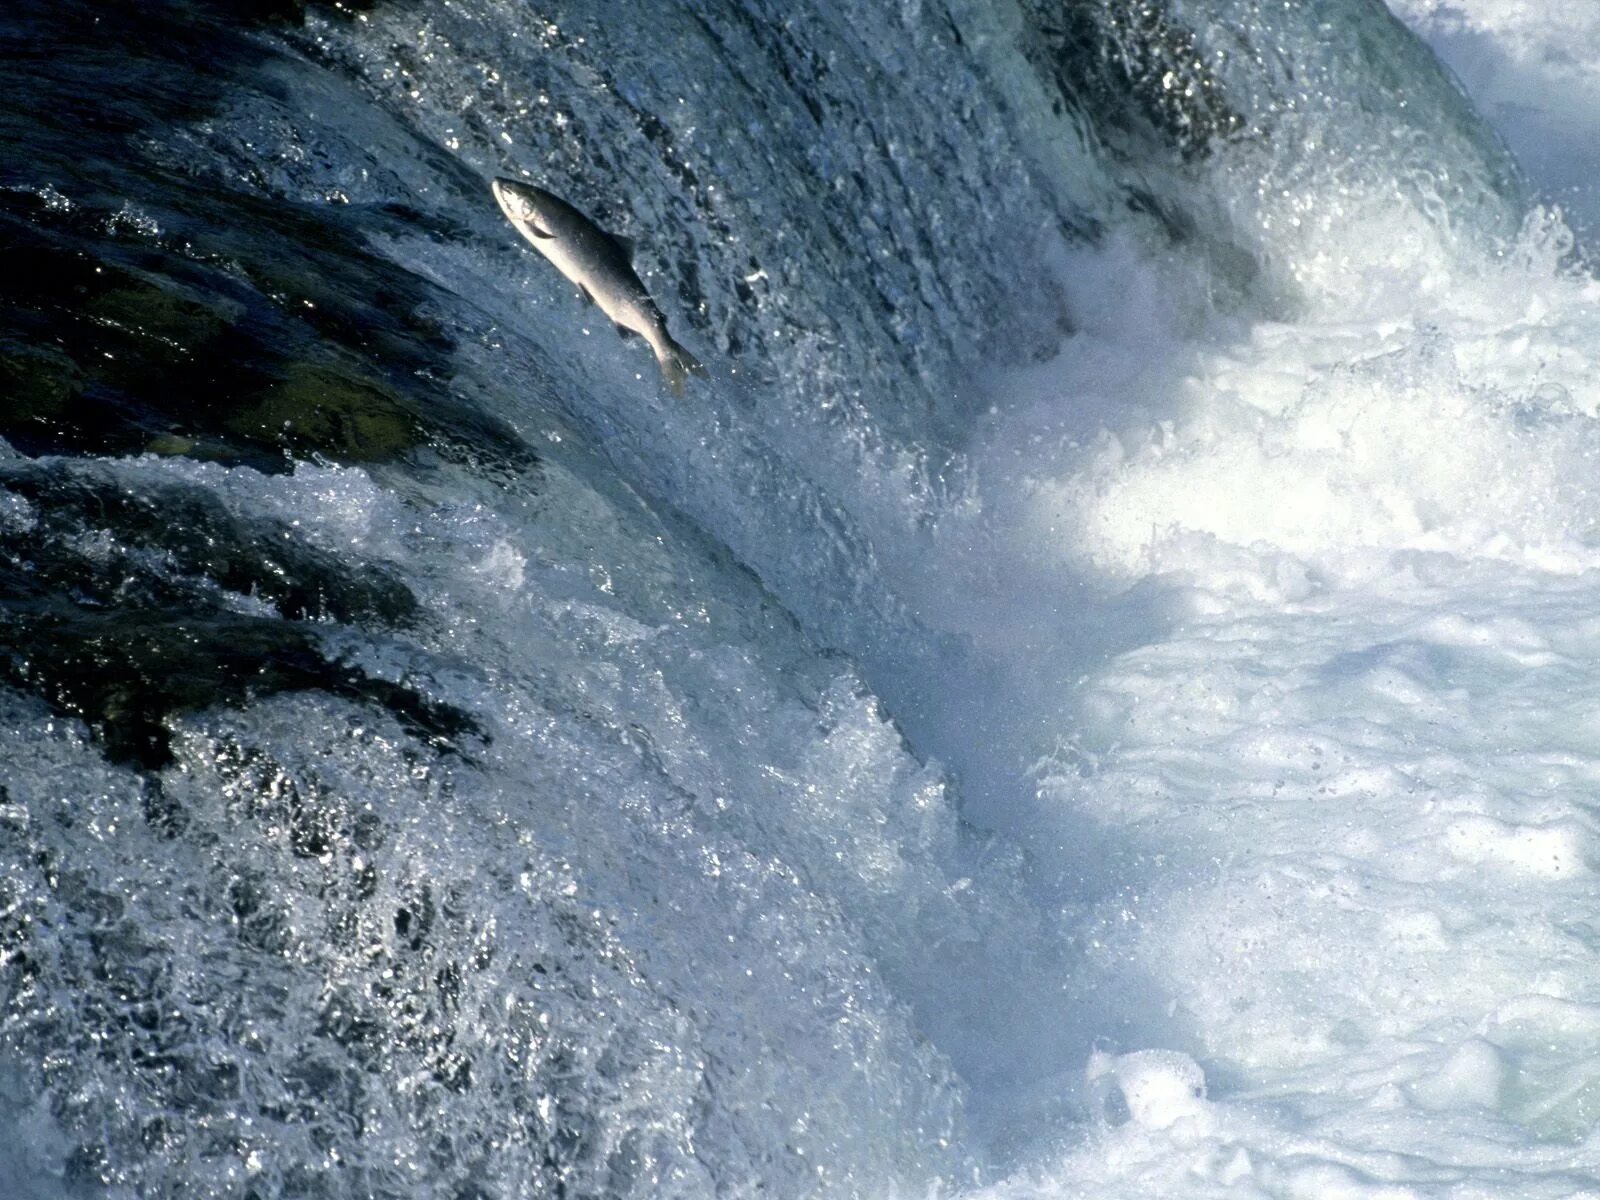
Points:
[[324, 410], [38, 384], [90, 537], [127, 607], [1136, 70], [152, 309], [206, 346], [125, 673]]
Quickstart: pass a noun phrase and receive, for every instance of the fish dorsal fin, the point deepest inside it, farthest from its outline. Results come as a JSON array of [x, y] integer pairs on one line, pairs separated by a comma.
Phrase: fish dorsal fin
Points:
[[625, 244], [584, 292]]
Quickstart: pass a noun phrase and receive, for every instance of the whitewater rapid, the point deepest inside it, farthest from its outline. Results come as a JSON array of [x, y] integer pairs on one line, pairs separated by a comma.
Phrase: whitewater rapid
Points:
[[1094, 697], [1356, 762]]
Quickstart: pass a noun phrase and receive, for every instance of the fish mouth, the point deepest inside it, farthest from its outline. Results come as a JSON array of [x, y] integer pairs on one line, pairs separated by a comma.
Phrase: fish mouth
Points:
[[507, 194]]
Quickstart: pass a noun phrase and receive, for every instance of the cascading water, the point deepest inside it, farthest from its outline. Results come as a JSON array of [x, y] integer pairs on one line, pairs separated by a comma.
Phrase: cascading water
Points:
[[1092, 696]]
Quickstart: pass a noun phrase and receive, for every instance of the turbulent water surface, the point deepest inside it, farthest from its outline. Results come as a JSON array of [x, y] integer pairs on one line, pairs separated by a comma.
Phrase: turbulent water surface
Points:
[[1097, 694]]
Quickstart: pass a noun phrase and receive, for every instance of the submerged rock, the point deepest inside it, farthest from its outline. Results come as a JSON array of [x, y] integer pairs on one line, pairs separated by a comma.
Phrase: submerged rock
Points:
[[199, 343], [323, 409], [126, 672], [90, 537], [125, 608]]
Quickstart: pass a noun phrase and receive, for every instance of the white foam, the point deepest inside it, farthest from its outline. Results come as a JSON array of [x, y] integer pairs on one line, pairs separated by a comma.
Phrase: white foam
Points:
[[1338, 738], [1152, 1088], [1556, 850]]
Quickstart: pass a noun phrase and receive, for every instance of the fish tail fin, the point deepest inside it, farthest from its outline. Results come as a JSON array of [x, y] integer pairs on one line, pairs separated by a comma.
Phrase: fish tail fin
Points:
[[677, 364]]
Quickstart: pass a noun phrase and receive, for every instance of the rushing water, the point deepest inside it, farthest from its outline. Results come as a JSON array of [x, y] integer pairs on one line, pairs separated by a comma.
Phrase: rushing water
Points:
[[1094, 696]]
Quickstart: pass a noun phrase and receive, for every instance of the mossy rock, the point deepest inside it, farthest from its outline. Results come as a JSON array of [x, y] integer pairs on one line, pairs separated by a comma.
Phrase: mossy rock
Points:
[[331, 411], [211, 348], [168, 325], [37, 384]]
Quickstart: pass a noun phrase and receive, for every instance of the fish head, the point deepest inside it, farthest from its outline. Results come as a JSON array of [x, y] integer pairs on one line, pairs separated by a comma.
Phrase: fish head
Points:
[[523, 203]]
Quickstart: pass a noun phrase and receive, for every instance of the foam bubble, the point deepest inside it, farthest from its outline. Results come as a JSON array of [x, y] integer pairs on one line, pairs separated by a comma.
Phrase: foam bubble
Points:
[[1555, 851], [1152, 1088], [1473, 1075]]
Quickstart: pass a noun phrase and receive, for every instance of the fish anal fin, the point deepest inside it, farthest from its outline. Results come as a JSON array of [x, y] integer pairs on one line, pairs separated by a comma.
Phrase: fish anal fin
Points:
[[625, 333], [584, 292]]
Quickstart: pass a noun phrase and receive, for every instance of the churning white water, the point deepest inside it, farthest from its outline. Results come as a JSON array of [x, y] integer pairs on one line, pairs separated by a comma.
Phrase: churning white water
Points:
[[1351, 760]]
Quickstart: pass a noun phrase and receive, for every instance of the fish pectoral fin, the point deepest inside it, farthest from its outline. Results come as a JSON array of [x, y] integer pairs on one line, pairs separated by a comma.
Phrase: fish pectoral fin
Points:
[[584, 292], [625, 333], [534, 229]]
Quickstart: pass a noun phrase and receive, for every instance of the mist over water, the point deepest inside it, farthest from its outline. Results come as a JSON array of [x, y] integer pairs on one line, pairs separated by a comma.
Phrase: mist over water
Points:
[[1093, 696]]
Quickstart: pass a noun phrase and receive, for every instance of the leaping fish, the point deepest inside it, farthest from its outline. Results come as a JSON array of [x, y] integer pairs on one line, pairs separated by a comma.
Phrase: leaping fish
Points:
[[598, 264]]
